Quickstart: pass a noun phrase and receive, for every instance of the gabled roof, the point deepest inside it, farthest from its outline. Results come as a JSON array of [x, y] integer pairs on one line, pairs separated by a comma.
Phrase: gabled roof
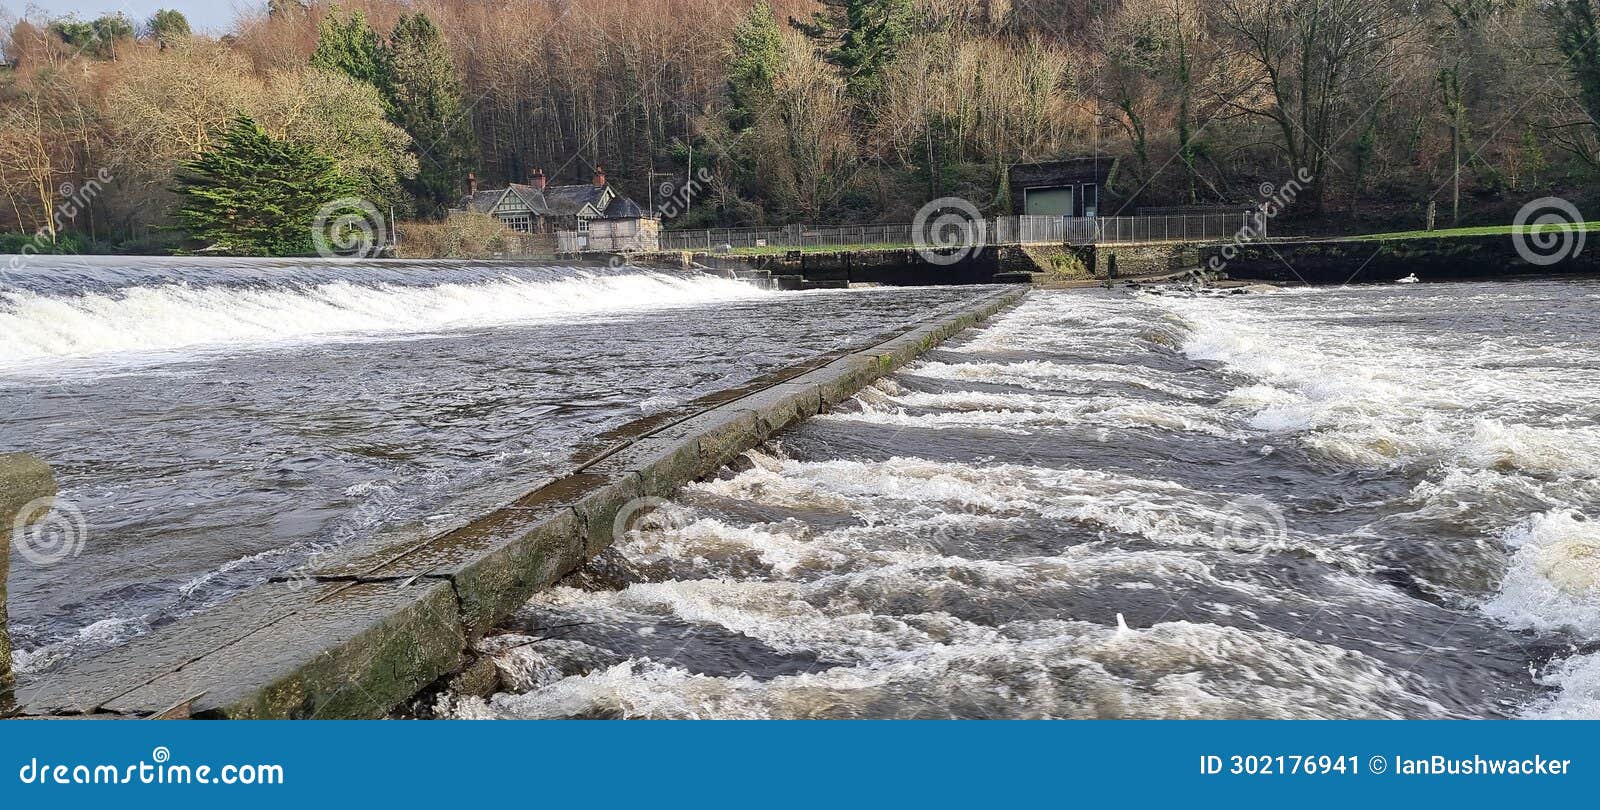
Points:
[[585, 200], [553, 201], [569, 200], [623, 208], [482, 201]]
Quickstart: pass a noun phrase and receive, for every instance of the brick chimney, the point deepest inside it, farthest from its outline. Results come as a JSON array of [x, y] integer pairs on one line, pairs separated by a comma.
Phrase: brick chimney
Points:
[[472, 183], [537, 179], [599, 176]]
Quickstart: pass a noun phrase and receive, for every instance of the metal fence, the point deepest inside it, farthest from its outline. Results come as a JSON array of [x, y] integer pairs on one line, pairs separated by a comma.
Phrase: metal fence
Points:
[[1010, 230]]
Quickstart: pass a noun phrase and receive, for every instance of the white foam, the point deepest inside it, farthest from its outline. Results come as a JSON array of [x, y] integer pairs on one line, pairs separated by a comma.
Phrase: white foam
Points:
[[1553, 582], [1013, 412], [1370, 397], [176, 316], [1040, 374], [1578, 681], [1036, 669]]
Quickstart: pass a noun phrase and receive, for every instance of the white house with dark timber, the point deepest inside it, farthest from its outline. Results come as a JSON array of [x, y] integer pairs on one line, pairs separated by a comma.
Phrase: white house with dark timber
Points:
[[581, 217]]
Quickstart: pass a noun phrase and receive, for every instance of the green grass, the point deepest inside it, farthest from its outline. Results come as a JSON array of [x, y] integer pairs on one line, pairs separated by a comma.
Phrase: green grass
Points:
[[1487, 230]]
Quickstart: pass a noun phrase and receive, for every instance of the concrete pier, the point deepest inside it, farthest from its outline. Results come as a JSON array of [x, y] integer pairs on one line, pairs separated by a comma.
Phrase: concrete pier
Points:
[[368, 629], [24, 480]]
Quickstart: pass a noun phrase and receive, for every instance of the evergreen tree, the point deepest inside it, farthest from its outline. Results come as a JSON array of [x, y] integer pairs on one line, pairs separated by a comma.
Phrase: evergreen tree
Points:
[[254, 195], [863, 36], [1577, 29], [755, 64], [168, 27], [347, 44], [425, 101], [98, 37]]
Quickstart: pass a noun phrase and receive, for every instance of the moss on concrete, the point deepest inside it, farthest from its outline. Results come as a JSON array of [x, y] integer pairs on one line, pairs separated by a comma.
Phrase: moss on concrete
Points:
[[23, 480]]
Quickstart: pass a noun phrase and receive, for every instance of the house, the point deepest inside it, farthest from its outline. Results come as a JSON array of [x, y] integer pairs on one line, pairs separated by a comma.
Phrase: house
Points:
[[1075, 187], [588, 216]]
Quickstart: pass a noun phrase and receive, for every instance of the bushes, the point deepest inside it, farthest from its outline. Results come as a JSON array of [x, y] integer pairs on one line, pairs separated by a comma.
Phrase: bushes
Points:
[[461, 236], [65, 244]]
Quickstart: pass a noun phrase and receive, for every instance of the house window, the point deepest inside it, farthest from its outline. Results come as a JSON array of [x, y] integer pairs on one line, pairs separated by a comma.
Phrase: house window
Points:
[[521, 223], [583, 225]]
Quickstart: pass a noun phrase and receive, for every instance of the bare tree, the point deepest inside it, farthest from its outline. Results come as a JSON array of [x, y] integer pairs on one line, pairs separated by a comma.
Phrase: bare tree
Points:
[[1309, 56]]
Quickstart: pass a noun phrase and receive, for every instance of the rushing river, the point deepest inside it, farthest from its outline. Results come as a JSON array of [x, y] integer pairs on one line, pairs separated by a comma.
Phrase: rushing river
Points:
[[211, 422], [1358, 502]]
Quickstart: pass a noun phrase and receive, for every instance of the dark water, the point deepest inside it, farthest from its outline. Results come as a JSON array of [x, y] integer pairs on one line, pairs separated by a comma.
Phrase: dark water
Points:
[[1363, 502], [212, 423]]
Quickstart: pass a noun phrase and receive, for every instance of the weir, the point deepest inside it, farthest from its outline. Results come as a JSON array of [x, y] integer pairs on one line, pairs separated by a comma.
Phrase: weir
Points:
[[367, 629]]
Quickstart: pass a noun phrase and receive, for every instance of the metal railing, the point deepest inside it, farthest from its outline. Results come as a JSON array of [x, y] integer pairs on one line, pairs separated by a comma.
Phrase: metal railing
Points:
[[1007, 230]]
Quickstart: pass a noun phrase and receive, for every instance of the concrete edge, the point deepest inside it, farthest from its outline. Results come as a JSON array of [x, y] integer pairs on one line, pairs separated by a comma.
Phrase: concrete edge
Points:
[[407, 639], [27, 490]]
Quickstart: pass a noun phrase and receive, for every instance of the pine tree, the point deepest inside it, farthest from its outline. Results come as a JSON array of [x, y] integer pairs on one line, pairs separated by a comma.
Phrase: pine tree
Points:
[[347, 44], [168, 27], [755, 64], [254, 195], [425, 100], [864, 36]]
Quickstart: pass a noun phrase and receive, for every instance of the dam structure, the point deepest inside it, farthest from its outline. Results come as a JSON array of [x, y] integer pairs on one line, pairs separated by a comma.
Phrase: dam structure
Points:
[[357, 628], [318, 489]]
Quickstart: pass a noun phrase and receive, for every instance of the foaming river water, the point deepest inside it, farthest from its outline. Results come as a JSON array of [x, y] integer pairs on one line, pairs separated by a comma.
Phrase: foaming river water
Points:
[[212, 423], [1358, 502]]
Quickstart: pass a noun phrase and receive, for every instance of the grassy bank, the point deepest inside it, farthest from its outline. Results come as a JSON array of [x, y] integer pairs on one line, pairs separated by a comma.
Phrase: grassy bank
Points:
[[1486, 230]]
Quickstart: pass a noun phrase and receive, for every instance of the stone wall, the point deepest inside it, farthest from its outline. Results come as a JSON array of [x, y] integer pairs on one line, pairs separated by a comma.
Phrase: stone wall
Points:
[[1347, 261]]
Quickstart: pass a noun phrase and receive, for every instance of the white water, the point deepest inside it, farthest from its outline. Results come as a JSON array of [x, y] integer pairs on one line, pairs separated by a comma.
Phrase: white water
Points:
[[948, 546], [39, 327], [1502, 426]]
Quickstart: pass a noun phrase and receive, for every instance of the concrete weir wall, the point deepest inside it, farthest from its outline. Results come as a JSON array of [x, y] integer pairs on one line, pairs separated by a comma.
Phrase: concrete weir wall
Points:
[[24, 484], [1432, 258], [368, 630]]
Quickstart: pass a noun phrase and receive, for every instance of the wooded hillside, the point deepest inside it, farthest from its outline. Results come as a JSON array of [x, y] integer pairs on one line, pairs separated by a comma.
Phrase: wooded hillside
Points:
[[839, 111]]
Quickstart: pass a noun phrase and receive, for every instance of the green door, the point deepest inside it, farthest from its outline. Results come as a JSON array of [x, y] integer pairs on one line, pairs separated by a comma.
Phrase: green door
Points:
[[1051, 202]]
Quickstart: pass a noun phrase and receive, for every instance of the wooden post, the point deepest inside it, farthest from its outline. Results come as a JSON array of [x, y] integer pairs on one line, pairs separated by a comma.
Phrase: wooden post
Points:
[[23, 480]]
